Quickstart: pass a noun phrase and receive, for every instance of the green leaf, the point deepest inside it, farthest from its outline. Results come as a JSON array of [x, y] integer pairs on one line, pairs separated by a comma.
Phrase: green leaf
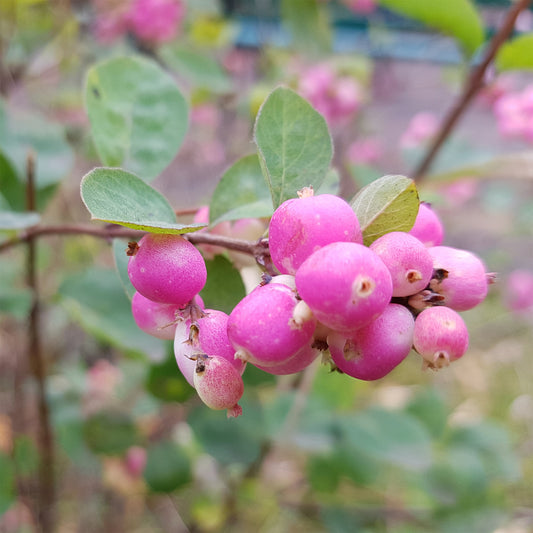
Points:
[[165, 382], [110, 433], [167, 467], [20, 134], [120, 246], [516, 54], [323, 473], [196, 67], [96, 300], [114, 195], [241, 193], [224, 288], [138, 115], [388, 204], [11, 220], [457, 18], [7, 487], [393, 437], [308, 24], [294, 143], [429, 408]]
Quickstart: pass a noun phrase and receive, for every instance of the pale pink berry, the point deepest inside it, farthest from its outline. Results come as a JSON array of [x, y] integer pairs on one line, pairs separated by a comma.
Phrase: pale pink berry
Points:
[[345, 284], [518, 291], [376, 349], [408, 261], [298, 362], [135, 461], [422, 127], [301, 226], [270, 325], [224, 228], [218, 384], [206, 335], [154, 318], [364, 151], [427, 227], [167, 269], [440, 336], [464, 283]]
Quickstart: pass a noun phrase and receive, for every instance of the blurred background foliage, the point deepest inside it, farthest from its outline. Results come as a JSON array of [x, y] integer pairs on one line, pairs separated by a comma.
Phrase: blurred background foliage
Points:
[[134, 448]]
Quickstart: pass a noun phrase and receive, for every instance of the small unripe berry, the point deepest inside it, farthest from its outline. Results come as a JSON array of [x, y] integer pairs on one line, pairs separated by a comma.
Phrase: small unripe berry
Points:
[[427, 227], [376, 349], [465, 282], [301, 226], [345, 284], [218, 384], [167, 269], [440, 336], [408, 261]]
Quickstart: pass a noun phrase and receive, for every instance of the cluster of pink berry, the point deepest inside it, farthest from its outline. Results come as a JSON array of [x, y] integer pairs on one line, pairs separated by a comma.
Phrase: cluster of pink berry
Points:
[[367, 305], [514, 112], [336, 96], [151, 21]]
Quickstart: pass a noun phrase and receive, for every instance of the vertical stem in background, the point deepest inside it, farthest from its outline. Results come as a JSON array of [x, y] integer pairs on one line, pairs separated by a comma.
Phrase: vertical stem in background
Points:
[[46, 482], [472, 86]]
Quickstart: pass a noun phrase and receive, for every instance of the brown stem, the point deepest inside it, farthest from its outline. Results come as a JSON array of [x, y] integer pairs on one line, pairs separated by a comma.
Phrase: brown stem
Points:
[[257, 249], [46, 490], [473, 84]]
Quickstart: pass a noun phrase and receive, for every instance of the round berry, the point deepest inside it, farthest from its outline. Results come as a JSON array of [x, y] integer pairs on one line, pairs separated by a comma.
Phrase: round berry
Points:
[[376, 349], [167, 269], [440, 336], [463, 282], [427, 227], [301, 226], [345, 284], [408, 261]]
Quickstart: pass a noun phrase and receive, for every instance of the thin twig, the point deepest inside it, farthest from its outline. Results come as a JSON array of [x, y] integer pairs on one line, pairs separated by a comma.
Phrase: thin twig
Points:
[[472, 86], [253, 248], [46, 490]]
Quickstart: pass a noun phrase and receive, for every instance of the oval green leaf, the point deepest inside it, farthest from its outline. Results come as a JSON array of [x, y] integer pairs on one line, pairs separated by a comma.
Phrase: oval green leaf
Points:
[[388, 204], [294, 143], [457, 18], [241, 193], [116, 196], [167, 467], [138, 115], [516, 54], [11, 220]]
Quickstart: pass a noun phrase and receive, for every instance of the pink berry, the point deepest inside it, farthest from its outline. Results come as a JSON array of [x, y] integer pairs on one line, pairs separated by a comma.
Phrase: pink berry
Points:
[[270, 325], [408, 261], [207, 335], [376, 349], [154, 318], [440, 336], [156, 21], [345, 284], [427, 227], [465, 284], [301, 226], [218, 384], [298, 362], [167, 269], [518, 295]]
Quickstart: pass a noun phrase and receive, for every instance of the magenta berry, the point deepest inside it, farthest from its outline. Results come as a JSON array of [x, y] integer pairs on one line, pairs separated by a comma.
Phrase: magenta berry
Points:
[[302, 225], [167, 269], [518, 295], [440, 336], [218, 384], [408, 261], [270, 325], [154, 318], [465, 283], [206, 335], [298, 362], [376, 349], [345, 284], [427, 227]]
